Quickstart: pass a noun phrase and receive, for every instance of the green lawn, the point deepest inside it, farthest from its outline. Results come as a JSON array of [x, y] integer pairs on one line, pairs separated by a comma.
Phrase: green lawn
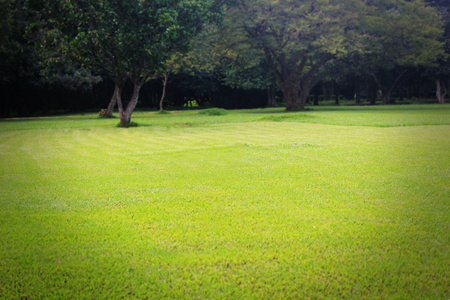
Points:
[[348, 202]]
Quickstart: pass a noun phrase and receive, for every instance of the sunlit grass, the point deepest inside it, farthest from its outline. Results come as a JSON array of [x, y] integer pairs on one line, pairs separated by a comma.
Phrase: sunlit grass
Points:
[[252, 204]]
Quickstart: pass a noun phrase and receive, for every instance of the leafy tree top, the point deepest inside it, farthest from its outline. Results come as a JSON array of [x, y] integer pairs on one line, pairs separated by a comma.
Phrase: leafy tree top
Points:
[[124, 38], [403, 33]]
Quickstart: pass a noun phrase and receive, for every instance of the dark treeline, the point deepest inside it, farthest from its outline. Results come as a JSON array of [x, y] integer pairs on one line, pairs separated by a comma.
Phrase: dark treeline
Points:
[[23, 98]]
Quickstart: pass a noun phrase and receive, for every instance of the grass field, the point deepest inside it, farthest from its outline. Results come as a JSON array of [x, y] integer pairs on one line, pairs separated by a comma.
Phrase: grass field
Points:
[[349, 202]]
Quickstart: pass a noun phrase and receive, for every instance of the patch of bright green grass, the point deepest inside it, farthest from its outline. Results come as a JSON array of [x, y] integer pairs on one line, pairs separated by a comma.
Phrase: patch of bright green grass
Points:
[[213, 112], [381, 116], [247, 205]]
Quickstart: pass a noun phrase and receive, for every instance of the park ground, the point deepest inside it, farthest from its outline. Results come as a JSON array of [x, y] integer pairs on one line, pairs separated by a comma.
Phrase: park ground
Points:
[[333, 202]]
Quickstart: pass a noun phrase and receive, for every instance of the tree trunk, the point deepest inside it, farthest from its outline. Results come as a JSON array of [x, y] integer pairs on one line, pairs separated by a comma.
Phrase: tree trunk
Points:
[[385, 97], [441, 91], [294, 83], [296, 98], [125, 116], [118, 96], [113, 101], [303, 99], [290, 94], [386, 90], [305, 91], [164, 81]]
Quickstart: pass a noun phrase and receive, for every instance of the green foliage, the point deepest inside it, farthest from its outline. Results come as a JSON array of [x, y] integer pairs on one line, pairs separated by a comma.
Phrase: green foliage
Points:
[[213, 112], [242, 209], [139, 34], [124, 39], [202, 56], [296, 38], [302, 41], [403, 33], [18, 58], [441, 70], [69, 76], [246, 77], [8, 45]]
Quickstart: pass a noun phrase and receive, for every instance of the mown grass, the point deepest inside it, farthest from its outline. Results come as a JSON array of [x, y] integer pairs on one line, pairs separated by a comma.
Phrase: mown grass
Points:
[[327, 203]]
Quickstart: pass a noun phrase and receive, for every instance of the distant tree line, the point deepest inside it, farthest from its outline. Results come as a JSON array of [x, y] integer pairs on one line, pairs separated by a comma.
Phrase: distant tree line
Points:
[[72, 56]]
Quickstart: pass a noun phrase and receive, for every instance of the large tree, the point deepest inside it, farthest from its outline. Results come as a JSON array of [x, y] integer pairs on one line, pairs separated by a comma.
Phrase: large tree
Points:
[[297, 38], [127, 40]]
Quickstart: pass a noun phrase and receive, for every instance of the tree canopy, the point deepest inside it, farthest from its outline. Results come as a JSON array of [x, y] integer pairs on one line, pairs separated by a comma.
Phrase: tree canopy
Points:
[[286, 46], [299, 39], [403, 34], [127, 40]]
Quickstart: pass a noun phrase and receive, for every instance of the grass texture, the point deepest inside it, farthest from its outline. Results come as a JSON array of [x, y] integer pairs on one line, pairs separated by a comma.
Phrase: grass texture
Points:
[[262, 204]]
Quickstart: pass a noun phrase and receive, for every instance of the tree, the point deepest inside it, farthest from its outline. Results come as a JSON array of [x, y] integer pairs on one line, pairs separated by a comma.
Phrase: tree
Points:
[[441, 72], [297, 38], [403, 34], [127, 40], [195, 67]]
